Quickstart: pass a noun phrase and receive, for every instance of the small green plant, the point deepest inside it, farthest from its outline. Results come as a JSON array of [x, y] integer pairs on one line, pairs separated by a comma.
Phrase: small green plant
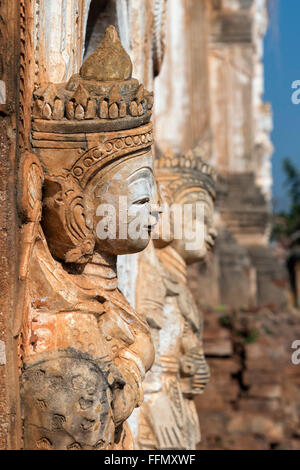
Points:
[[240, 332], [225, 321], [220, 308], [251, 336], [288, 222]]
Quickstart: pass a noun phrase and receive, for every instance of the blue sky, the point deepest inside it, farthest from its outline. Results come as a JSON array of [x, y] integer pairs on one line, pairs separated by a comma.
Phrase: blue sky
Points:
[[282, 67]]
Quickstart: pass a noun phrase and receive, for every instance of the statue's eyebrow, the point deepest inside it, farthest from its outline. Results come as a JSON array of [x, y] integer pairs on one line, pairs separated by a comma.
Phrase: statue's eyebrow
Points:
[[141, 173]]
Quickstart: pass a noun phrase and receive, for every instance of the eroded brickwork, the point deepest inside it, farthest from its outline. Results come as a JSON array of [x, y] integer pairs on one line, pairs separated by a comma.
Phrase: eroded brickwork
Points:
[[253, 399]]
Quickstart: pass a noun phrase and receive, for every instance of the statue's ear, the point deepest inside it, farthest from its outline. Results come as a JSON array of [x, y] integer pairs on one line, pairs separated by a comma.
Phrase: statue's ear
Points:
[[31, 178], [64, 220]]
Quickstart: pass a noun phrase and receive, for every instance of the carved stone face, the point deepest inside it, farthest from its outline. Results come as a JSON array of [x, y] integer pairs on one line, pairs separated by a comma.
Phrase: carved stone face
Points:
[[201, 244], [120, 202], [204, 216]]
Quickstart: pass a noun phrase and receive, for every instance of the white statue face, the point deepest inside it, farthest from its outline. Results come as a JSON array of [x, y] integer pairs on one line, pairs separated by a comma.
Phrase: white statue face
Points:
[[193, 233], [122, 201], [194, 246]]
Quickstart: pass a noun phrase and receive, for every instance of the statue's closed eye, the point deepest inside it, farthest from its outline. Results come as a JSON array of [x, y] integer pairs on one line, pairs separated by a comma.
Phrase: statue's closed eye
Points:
[[143, 200]]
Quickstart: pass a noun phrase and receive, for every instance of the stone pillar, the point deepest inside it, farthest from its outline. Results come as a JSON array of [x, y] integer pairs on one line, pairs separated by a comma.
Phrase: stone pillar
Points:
[[241, 144], [241, 122], [10, 43], [181, 90], [59, 35], [262, 112], [241, 125], [231, 71]]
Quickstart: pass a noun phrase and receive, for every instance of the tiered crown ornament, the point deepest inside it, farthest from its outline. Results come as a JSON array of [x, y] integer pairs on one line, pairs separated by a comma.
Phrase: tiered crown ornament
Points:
[[101, 117], [190, 170], [103, 96], [93, 109]]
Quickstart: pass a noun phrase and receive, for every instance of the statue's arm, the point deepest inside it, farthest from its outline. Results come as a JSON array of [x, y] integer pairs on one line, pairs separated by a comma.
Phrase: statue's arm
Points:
[[132, 362]]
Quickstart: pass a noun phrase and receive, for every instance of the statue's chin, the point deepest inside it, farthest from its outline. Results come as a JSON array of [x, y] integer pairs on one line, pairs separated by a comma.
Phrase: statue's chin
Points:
[[135, 246], [123, 247], [161, 243], [194, 256]]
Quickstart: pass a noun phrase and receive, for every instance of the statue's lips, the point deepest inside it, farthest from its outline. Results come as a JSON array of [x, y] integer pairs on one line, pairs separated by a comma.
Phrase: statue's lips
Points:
[[210, 242]]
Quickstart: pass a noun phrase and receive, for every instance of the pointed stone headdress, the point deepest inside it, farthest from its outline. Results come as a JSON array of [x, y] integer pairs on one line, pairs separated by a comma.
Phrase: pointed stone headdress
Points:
[[100, 115]]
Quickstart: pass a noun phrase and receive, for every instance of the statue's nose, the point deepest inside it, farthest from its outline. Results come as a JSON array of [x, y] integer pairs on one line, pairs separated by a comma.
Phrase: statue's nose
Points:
[[153, 219]]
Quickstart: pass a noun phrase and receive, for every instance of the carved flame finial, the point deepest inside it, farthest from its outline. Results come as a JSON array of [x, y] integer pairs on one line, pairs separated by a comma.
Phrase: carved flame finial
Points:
[[109, 61]]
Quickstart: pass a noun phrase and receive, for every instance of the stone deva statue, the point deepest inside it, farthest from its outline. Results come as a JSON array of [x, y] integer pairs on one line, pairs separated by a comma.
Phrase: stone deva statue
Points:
[[84, 349], [168, 418]]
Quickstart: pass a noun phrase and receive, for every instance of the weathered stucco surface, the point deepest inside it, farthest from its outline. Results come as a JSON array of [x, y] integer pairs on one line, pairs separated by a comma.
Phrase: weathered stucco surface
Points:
[[10, 432], [203, 59]]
